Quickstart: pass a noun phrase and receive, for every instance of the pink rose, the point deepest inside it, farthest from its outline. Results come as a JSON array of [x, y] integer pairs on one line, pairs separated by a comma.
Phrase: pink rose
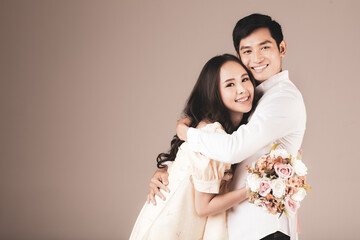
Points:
[[284, 171], [291, 205], [265, 187]]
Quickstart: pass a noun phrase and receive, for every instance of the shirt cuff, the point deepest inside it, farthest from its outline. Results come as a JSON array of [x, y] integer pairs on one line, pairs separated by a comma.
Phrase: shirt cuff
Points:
[[193, 139]]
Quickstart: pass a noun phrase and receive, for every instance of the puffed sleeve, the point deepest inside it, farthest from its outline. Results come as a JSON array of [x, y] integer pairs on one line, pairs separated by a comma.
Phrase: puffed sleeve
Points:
[[207, 174]]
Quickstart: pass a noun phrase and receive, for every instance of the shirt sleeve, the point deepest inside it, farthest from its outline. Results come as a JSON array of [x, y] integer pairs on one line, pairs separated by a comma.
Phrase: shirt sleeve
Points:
[[206, 173], [272, 120]]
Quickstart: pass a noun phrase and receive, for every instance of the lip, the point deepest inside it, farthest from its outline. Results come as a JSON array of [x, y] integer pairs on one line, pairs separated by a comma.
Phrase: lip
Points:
[[260, 68], [243, 100]]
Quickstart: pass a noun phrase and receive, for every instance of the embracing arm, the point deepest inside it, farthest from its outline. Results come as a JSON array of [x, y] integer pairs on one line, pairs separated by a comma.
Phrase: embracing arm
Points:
[[270, 122], [207, 204]]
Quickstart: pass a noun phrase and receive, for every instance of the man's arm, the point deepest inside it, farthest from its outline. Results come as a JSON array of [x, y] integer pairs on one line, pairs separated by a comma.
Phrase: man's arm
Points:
[[182, 127], [272, 120], [158, 181]]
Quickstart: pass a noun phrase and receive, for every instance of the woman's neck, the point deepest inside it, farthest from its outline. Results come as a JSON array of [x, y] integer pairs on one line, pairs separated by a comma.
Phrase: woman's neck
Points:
[[236, 118]]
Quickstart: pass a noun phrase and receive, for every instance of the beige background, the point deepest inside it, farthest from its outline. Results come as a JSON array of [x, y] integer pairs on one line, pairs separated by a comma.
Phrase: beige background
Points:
[[90, 92]]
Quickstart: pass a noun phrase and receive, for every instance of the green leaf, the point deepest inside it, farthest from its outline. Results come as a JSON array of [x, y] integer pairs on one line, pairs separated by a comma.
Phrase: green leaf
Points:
[[274, 147], [281, 213], [307, 188]]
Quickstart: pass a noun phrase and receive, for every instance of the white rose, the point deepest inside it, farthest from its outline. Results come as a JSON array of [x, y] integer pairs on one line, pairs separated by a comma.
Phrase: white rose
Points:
[[279, 152], [258, 202], [253, 182], [278, 187], [299, 167], [299, 196], [261, 204]]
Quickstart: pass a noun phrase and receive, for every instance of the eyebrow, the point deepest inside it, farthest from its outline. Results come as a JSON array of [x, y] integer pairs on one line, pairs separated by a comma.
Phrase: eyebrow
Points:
[[231, 79], [260, 44]]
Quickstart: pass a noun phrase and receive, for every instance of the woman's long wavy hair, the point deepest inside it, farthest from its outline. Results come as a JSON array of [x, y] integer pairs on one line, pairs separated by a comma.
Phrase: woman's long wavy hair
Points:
[[205, 103]]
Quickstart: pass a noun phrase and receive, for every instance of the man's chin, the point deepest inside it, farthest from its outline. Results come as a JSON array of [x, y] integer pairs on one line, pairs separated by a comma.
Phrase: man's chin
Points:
[[259, 77]]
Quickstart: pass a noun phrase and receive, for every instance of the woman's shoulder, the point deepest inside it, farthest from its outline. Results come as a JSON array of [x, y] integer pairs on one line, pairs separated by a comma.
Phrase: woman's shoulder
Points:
[[210, 127]]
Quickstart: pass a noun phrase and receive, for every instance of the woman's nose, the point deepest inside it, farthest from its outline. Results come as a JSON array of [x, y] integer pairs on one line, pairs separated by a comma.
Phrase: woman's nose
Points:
[[240, 88]]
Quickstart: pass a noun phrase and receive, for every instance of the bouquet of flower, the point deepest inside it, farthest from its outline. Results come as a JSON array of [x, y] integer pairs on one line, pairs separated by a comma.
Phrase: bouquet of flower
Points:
[[276, 182]]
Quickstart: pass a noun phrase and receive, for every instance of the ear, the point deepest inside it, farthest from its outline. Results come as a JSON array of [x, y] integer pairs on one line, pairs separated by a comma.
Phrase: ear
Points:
[[282, 48]]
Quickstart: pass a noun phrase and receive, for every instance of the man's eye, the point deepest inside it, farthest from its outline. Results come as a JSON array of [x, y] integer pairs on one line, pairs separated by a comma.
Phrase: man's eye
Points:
[[266, 47], [247, 52]]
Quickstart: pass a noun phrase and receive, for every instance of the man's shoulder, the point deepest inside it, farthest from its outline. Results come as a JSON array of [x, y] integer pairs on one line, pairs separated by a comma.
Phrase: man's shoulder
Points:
[[284, 90], [285, 97]]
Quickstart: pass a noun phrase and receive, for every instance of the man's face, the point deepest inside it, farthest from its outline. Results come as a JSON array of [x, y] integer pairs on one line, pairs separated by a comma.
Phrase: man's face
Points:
[[260, 53]]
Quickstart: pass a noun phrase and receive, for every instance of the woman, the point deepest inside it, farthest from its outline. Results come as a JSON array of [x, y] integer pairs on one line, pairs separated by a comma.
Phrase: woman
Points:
[[195, 209]]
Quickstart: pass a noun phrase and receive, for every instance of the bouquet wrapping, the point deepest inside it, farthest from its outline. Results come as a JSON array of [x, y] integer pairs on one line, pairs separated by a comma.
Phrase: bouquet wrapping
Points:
[[277, 182]]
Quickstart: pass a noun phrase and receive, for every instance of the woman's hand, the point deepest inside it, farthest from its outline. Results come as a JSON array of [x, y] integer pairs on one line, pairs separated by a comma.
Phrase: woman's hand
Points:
[[182, 128], [158, 181]]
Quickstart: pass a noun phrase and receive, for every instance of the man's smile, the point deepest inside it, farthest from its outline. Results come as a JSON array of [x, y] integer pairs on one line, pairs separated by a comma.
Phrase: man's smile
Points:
[[259, 68]]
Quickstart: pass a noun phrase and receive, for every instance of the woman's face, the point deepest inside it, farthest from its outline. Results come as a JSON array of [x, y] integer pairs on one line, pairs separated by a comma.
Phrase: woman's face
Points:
[[236, 89]]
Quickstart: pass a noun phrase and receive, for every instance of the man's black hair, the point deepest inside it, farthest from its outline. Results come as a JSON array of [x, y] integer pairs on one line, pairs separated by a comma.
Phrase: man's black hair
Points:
[[245, 26]]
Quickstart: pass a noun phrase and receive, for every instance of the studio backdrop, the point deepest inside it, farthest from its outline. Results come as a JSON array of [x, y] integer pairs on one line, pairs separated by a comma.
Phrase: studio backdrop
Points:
[[90, 92]]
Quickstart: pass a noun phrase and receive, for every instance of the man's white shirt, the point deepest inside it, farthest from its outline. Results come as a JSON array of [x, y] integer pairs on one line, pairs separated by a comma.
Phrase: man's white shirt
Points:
[[279, 117]]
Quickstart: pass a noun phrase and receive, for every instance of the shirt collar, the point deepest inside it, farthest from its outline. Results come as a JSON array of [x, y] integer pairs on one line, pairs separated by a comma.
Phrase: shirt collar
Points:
[[267, 84]]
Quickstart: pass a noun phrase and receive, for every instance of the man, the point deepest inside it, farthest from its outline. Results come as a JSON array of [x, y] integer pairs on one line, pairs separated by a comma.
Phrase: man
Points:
[[279, 117]]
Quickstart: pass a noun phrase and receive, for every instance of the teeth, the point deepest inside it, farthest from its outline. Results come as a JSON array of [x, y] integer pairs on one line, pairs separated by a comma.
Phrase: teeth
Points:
[[259, 68], [242, 100]]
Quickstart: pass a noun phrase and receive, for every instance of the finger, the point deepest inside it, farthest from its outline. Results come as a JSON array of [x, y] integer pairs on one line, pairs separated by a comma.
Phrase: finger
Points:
[[156, 191], [187, 120], [156, 183], [165, 188], [165, 181], [160, 195], [152, 199]]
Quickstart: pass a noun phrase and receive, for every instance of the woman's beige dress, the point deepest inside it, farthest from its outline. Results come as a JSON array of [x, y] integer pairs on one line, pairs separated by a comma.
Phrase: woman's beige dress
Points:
[[176, 218]]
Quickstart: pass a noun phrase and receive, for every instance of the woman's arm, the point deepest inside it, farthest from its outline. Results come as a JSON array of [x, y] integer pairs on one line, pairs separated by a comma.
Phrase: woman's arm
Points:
[[207, 204]]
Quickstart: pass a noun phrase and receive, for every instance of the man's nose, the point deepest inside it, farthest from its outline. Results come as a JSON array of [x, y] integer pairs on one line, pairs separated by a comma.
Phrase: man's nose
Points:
[[258, 57]]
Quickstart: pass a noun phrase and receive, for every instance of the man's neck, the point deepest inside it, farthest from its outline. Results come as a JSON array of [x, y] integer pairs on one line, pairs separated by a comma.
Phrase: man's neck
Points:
[[258, 82]]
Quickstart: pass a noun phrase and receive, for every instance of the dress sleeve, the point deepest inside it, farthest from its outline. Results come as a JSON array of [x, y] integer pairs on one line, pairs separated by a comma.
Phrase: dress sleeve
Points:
[[207, 173]]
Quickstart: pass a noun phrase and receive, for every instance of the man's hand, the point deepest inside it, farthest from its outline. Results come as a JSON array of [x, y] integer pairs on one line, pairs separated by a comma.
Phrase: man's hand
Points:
[[182, 127], [158, 181]]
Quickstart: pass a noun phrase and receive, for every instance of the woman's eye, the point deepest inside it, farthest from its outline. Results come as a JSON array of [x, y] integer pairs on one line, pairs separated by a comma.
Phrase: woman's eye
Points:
[[245, 79], [230, 85]]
